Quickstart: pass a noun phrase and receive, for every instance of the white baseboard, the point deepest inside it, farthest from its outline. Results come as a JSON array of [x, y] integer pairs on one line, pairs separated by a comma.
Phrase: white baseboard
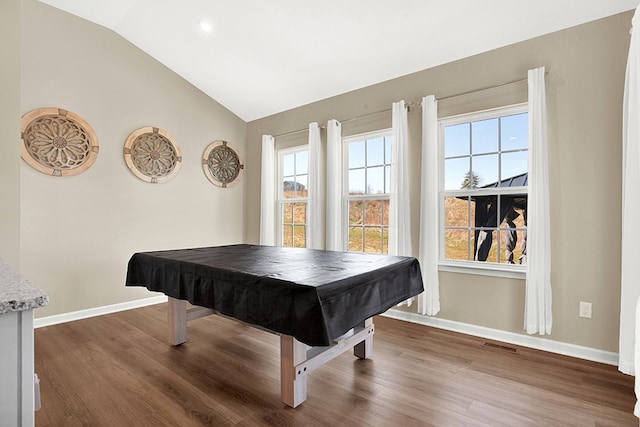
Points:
[[573, 350], [531, 341], [97, 311]]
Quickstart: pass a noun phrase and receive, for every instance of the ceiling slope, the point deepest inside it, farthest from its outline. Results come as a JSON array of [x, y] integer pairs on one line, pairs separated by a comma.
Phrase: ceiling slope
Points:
[[262, 57]]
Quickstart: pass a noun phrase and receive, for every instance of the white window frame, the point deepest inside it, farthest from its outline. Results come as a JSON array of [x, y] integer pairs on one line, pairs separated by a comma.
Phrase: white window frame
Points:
[[346, 197], [474, 267], [281, 200]]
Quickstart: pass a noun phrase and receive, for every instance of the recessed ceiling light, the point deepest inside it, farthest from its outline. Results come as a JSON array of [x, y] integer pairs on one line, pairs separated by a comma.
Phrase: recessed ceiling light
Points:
[[205, 25]]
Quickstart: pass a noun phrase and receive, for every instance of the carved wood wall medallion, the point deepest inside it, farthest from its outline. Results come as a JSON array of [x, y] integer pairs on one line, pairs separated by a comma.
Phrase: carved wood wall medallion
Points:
[[152, 155], [221, 164], [57, 142]]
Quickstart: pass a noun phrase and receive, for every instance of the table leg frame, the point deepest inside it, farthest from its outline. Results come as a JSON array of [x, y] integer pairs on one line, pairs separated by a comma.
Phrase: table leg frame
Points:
[[177, 319], [296, 359], [179, 315]]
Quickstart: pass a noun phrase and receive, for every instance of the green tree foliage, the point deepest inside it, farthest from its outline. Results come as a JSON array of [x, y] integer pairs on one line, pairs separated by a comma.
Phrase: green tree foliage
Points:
[[471, 180]]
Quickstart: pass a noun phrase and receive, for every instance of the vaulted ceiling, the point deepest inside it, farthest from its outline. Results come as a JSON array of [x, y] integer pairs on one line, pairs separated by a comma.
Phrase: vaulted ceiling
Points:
[[261, 57]]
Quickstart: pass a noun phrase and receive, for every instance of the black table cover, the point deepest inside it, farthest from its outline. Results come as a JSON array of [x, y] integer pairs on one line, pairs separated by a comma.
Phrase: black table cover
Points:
[[312, 295]]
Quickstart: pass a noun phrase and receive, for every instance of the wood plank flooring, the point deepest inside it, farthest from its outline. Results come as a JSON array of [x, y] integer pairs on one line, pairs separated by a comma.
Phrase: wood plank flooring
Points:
[[118, 370]]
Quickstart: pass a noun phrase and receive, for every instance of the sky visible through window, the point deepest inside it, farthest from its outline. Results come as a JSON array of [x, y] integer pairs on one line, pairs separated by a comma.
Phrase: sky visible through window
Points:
[[495, 149], [295, 166], [369, 166]]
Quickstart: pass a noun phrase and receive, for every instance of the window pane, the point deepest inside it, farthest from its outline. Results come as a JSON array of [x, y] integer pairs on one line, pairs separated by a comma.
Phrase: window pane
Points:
[[385, 212], [486, 248], [288, 168], [299, 213], [356, 154], [287, 213], [522, 246], [517, 214], [301, 186], [513, 165], [302, 162], [486, 212], [455, 171], [291, 187], [514, 132], [355, 239], [484, 136], [387, 149], [456, 244], [375, 180], [456, 140], [387, 179], [287, 187], [373, 240], [512, 244], [457, 211], [513, 235], [485, 168], [356, 212], [385, 240], [356, 181], [373, 212], [299, 236], [375, 152], [287, 235]]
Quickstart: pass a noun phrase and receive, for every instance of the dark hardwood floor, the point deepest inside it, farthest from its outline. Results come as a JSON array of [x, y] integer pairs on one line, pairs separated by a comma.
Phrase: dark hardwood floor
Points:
[[118, 370]]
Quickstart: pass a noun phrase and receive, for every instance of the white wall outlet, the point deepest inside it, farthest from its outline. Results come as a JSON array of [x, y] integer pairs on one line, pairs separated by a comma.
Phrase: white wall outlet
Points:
[[585, 309]]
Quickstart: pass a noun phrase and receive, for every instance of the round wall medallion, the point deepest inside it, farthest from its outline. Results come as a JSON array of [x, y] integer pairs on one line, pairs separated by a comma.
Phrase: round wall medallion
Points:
[[221, 164], [151, 155], [58, 142]]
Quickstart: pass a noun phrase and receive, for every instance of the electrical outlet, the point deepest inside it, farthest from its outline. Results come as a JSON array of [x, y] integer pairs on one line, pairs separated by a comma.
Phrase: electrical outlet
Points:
[[585, 309]]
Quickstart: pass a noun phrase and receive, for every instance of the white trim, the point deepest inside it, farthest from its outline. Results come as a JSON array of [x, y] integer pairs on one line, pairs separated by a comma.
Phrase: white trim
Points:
[[97, 311], [491, 113], [566, 349], [530, 341], [510, 271]]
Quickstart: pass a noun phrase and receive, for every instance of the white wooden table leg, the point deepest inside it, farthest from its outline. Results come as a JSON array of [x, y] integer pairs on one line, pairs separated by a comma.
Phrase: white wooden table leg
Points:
[[177, 319], [364, 349], [293, 388]]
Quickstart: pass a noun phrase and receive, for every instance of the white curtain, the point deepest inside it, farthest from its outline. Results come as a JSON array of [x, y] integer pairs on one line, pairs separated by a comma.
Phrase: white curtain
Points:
[[399, 203], [429, 300], [334, 186], [267, 192], [537, 313], [630, 284], [315, 215]]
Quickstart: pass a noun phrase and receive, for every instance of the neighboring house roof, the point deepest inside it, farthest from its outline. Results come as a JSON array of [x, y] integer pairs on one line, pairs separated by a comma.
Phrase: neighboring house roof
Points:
[[515, 181]]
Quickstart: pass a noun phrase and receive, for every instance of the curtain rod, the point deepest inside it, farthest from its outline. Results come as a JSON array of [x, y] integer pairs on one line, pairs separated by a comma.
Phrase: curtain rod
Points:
[[293, 132], [412, 104], [510, 82], [483, 88]]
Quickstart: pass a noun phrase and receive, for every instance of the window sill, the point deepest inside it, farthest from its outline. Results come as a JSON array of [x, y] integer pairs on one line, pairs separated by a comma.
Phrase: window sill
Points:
[[495, 270]]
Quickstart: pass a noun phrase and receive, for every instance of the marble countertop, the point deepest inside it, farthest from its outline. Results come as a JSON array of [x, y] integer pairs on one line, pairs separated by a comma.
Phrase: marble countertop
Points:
[[17, 293]]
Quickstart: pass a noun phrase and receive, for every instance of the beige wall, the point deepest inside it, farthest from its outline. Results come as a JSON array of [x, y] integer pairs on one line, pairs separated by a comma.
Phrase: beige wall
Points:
[[77, 233], [10, 11], [584, 91]]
